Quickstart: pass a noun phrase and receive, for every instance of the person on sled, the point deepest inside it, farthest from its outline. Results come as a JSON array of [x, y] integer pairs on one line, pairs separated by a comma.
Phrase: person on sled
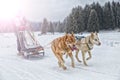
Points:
[[26, 41], [20, 27]]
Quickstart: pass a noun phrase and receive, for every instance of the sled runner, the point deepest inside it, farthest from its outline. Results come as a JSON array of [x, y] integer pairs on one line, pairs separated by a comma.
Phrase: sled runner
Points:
[[29, 44]]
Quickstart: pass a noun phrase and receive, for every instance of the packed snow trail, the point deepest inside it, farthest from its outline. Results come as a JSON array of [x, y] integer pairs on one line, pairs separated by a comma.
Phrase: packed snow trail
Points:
[[104, 65]]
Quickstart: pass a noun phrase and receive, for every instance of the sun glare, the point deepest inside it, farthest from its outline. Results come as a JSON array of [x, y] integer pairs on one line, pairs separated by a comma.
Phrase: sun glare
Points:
[[9, 9]]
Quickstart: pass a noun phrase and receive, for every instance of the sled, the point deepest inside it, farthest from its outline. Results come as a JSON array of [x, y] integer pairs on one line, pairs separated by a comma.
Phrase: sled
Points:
[[29, 44]]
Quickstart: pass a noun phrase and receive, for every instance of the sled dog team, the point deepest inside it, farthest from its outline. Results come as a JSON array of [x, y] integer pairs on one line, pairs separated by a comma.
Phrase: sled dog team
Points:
[[66, 44]]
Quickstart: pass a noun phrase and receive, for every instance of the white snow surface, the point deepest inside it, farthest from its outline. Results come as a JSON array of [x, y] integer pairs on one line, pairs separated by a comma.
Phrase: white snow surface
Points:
[[104, 65]]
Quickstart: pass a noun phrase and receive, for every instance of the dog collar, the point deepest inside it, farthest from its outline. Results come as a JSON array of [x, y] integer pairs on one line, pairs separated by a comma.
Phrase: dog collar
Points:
[[89, 45]]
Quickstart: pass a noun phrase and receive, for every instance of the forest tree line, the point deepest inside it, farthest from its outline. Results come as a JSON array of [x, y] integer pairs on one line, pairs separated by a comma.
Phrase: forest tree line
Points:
[[90, 18]]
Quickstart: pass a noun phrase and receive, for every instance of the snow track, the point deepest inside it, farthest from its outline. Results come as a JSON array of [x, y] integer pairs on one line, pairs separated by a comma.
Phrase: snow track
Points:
[[104, 65]]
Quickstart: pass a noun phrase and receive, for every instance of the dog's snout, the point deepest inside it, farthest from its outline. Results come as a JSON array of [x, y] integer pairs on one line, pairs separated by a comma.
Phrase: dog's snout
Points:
[[99, 43]]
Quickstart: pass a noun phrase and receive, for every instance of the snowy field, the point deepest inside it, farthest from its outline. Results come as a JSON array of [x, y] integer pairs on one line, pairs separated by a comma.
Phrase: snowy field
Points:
[[104, 65]]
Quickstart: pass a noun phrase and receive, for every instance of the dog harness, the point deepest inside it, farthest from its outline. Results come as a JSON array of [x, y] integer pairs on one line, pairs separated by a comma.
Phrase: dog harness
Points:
[[89, 45], [79, 37]]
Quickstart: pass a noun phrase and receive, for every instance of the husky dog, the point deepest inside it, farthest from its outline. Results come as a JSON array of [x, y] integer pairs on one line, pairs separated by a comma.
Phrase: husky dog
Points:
[[63, 45], [86, 45]]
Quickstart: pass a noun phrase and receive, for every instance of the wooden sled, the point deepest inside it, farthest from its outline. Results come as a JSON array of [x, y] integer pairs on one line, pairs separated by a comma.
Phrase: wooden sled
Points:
[[29, 49]]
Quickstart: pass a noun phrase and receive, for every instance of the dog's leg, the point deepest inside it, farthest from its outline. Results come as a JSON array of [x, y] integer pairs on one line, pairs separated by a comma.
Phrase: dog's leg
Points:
[[89, 53], [62, 58], [83, 56], [61, 62], [72, 60], [77, 51]]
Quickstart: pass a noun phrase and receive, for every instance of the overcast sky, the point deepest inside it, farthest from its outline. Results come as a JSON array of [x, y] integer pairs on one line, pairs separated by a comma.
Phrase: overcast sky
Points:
[[54, 10]]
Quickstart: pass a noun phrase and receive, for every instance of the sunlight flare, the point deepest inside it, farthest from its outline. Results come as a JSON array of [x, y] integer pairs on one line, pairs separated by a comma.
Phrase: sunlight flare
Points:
[[9, 9]]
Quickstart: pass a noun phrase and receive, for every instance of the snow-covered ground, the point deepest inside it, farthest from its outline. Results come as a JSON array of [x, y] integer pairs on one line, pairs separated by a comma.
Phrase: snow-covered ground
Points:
[[104, 65]]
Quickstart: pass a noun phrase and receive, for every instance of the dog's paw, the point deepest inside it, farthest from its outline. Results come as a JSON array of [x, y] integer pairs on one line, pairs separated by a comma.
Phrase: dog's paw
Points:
[[85, 64], [73, 66], [64, 68], [79, 61], [88, 58]]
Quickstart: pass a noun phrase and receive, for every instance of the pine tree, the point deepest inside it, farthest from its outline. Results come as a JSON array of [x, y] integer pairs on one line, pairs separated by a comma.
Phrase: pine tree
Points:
[[108, 17], [64, 25], [75, 21], [60, 27], [99, 11], [114, 10], [93, 24], [51, 28], [44, 26], [79, 19], [86, 13], [118, 15], [69, 24]]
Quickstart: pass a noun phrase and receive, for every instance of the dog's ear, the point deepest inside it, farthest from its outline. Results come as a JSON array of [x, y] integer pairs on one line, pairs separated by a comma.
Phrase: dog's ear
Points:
[[66, 35], [92, 34], [72, 33], [95, 32]]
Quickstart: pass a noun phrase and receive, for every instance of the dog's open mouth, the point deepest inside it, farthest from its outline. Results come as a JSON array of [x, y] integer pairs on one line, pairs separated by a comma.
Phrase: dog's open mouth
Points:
[[73, 47]]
